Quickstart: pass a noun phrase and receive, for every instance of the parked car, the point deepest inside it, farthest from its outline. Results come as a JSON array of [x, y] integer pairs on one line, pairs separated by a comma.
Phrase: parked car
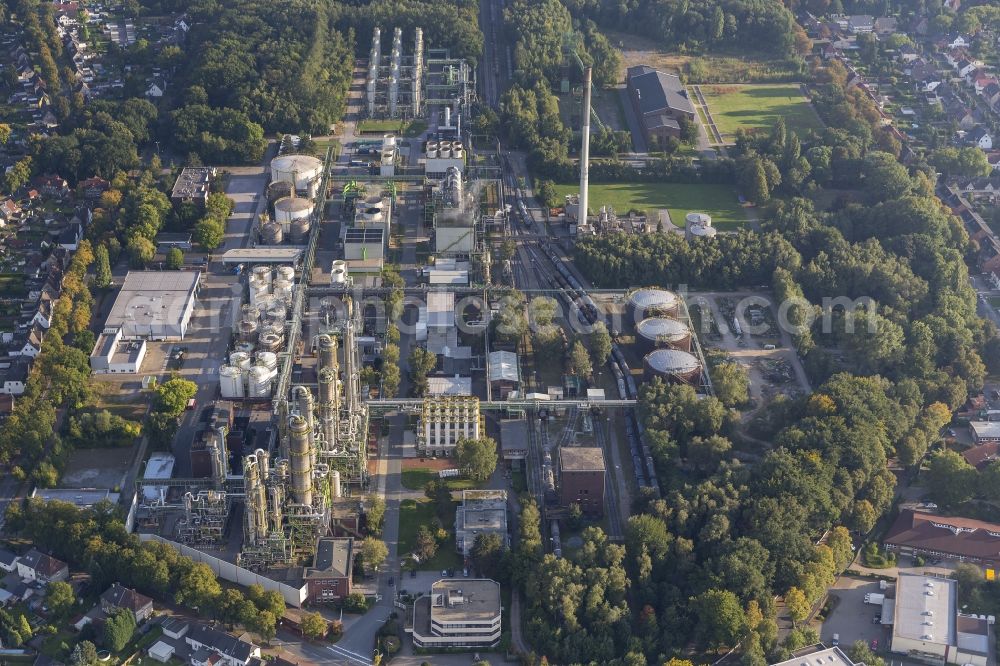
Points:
[[874, 645], [392, 581]]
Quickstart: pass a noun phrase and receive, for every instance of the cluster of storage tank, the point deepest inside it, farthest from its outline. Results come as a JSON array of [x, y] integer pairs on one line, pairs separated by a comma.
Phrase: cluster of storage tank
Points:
[[338, 272], [698, 225], [241, 378], [667, 340], [369, 212], [445, 150]]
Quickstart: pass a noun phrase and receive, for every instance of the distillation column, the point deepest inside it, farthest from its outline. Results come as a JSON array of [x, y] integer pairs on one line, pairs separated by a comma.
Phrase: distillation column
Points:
[[301, 467], [418, 68], [255, 473], [397, 47], [374, 61]]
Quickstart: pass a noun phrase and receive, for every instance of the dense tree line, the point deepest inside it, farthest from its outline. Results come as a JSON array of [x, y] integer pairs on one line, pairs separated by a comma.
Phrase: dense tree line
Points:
[[757, 25], [96, 541]]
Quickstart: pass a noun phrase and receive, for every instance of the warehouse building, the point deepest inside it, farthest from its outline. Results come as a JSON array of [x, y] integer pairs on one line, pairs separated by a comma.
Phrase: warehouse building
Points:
[[927, 627], [113, 355], [581, 478], [458, 613], [155, 305]]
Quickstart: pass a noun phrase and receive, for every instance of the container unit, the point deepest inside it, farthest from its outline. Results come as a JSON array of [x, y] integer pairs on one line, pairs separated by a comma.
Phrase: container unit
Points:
[[674, 365], [652, 302], [231, 382], [656, 332]]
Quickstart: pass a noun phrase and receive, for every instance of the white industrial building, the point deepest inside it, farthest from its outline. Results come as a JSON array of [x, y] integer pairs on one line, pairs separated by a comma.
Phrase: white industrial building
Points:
[[818, 655], [445, 420], [460, 612], [156, 305], [481, 512], [442, 333], [113, 355], [160, 467], [927, 627]]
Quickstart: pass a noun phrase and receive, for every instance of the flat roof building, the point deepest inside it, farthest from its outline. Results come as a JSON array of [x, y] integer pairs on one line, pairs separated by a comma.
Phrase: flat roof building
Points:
[[985, 431], [504, 373], [481, 512], [113, 355], [581, 478], [263, 254], [819, 655], [159, 467], [449, 386], [329, 578], [514, 439], [193, 185], [154, 304], [462, 612]]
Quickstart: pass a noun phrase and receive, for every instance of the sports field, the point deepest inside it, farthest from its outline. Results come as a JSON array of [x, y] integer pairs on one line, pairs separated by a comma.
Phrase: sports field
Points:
[[719, 201], [758, 107]]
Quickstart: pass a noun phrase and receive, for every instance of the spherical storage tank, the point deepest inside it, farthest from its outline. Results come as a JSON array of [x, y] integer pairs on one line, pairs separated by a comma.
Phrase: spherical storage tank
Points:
[[674, 365], [301, 170], [290, 209], [231, 382], [652, 302], [663, 332]]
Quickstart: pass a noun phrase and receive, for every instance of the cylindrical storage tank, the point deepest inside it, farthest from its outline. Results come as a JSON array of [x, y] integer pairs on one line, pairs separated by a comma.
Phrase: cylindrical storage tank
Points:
[[457, 152], [259, 294], [262, 274], [283, 290], [276, 313], [338, 275], [272, 233], [289, 209], [286, 273], [326, 349], [388, 141], [335, 484], [271, 342], [278, 190], [268, 360], [432, 153], [674, 365], [299, 232], [698, 219], [701, 232], [240, 359], [658, 332], [247, 331], [652, 302], [231, 382], [300, 170], [445, 151], [259, 382]]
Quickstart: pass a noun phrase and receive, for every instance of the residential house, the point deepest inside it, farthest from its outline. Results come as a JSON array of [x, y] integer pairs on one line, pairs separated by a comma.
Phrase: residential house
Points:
[[991, 93], [982, 81], [660, 100], [8, 560], [53, 186], [156, 88], [14, 376], [9, 211], [980, 137], [964, 67], [907, 53], [860, 24], [27, 341], [69, 237], [994, 160], [211, 647], [36, 565], [957, 41], [120, 597], [885, 26], [93, 188]]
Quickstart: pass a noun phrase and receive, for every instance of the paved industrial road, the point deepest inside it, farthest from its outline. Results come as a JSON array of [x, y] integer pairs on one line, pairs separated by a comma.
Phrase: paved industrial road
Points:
[[634, 126]]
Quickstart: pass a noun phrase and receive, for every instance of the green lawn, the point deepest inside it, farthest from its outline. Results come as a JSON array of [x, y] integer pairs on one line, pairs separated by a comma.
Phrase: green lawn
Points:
[[418, 477], [409, 128], [719, 201], [413, 514], [758, 107]]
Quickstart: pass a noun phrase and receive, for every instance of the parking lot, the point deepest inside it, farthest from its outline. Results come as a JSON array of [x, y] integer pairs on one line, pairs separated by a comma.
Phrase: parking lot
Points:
[[852, 617]]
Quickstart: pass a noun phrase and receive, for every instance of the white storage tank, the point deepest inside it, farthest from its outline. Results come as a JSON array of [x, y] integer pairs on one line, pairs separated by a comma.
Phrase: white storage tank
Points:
[[262, 274], [301, 170], [240, 360], [268, 360], [699, 225], [289, 209], [259, 382], [335, 483], [276, 312], [286, 273], [283, 289], [338, 272], [231, 382]]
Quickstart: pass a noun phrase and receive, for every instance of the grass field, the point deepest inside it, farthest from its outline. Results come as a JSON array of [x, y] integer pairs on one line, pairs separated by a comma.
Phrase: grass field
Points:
[[718, 201], [418, 477], [413, 514], [400, 127], [759, 107]]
